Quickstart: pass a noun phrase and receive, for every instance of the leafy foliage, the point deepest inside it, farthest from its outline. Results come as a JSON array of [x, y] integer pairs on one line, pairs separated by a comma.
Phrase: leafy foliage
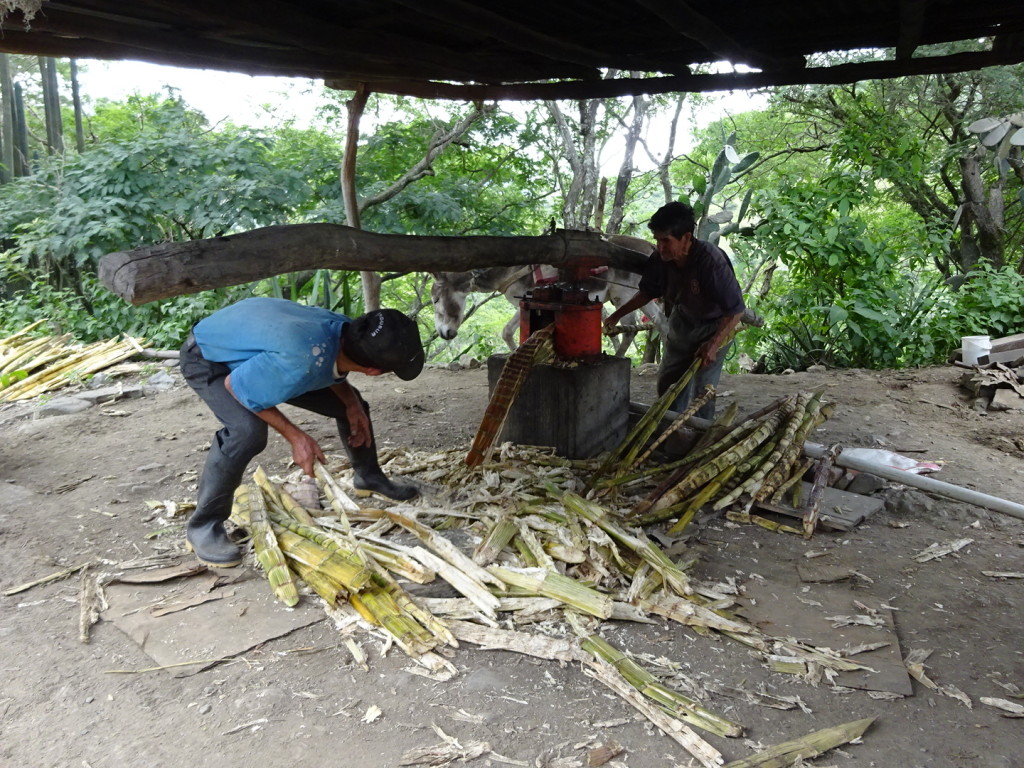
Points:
[[845, 298]]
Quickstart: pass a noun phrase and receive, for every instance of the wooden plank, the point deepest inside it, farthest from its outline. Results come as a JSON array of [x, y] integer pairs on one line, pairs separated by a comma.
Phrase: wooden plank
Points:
[[1008, 343], [1006, 356], [813, 618], [840, 510]]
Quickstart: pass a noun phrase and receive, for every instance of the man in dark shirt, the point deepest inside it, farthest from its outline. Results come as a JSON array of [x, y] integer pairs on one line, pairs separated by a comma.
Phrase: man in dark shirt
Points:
[[702, 298], [248, 358]]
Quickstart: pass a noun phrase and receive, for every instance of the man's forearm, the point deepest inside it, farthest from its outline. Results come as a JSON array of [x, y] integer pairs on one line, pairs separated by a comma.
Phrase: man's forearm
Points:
[[272, 416], [346, 394], [639, 299], [725, 326], [280, 423]]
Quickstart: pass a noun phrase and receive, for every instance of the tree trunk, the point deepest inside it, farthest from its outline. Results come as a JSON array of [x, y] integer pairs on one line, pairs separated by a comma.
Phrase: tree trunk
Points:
[[51, 106], [76, 98], [982, 219], [626, 169], [172, 269], [22, 165], [6, 120], [356, 105]]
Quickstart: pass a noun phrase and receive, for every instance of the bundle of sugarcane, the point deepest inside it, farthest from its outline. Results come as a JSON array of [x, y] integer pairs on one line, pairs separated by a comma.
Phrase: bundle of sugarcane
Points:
[[628, 454], [31, 366], [534, 350], [756, 460], [332, 563]]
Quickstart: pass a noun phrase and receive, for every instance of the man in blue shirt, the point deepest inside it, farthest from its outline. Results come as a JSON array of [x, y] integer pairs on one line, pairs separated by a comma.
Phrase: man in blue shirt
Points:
[[248, 358], [702, 299]]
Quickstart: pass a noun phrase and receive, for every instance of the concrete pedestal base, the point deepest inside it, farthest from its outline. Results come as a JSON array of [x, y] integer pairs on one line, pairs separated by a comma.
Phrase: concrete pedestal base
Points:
[[579, 410]]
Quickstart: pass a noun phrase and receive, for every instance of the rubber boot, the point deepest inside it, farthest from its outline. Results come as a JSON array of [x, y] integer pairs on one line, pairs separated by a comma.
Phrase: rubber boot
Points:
[[368, 476], [205, 534]]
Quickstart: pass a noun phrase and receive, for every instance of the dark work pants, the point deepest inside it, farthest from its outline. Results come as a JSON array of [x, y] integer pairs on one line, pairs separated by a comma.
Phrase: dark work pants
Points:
[[681, 345], [243, 434]]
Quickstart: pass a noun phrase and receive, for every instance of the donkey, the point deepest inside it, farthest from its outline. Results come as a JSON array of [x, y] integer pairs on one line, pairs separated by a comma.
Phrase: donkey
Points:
[[450, 290]]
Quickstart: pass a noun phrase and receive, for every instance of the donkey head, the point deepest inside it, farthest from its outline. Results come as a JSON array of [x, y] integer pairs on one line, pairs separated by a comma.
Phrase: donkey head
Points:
[[448, 294]]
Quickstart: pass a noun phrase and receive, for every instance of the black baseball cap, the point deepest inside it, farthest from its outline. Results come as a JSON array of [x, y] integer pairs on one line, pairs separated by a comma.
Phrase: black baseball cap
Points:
[[385, 339]]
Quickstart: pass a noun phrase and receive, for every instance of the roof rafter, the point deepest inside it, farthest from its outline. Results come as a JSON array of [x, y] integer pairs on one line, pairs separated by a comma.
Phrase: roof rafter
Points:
[[683, 18], [482, 21], [731, 81]]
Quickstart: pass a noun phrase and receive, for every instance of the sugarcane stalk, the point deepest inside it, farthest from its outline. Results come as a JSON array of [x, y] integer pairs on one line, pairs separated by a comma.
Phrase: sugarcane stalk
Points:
[[721, 426], [676, 424], [645, 426], [532, 544], [627, 478], [740, 432], [643, 547], [734, 440], [747, 470], [498, 537], [411, 608], [765, 463], [682, 734], [408, 633], [764, 522], [296, 510], [550, 584], [352, 565], [444, 548], [339, 500], [671, 702], [33, 353], [268, 553], [90, 359], [328, 589], [385, 555], [806, 747], [793, 448], [352, 576], [517, 367], [701, 475], [792, 480], [474, 590], [700, 499]]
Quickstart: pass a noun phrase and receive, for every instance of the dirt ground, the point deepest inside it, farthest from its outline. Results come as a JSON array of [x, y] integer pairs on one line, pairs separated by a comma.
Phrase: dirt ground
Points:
[[74, 490]]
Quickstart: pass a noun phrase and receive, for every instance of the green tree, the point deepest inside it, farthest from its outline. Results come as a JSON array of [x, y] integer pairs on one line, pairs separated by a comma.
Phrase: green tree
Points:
[[168, 177], [911, 135]]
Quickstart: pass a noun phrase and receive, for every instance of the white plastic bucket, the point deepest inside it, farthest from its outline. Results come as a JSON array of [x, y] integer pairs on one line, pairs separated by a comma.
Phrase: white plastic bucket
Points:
[[973, 347]]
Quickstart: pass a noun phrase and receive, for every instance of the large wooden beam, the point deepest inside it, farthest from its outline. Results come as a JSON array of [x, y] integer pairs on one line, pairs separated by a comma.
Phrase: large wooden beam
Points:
[[172, 269]]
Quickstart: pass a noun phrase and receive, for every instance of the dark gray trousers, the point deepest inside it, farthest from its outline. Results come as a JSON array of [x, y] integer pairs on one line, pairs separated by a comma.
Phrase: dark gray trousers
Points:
[[681, 345], [243, 434]]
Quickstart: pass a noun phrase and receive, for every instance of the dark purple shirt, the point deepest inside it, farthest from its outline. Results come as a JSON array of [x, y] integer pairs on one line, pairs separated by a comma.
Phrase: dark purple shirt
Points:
[[704, 289]]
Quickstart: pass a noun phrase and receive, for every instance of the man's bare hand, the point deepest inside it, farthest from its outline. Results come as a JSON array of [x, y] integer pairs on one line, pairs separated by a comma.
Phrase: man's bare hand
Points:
[[305, 451], [359, 426], [707, 353]]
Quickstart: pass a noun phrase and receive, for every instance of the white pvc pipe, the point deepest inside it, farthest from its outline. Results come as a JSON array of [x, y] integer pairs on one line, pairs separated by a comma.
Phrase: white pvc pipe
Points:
[[814, 450]]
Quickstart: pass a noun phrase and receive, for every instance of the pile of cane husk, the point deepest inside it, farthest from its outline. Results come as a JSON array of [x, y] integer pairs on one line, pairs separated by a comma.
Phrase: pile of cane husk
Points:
[[32, 365], [526, 535]]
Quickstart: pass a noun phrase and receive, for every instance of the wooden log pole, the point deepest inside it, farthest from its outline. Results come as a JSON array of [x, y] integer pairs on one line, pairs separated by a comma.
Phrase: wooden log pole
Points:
[[172, 269]]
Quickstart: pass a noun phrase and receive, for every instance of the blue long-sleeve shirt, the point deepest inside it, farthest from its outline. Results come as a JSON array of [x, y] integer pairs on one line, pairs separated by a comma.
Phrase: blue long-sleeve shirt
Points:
[[276, 349]]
